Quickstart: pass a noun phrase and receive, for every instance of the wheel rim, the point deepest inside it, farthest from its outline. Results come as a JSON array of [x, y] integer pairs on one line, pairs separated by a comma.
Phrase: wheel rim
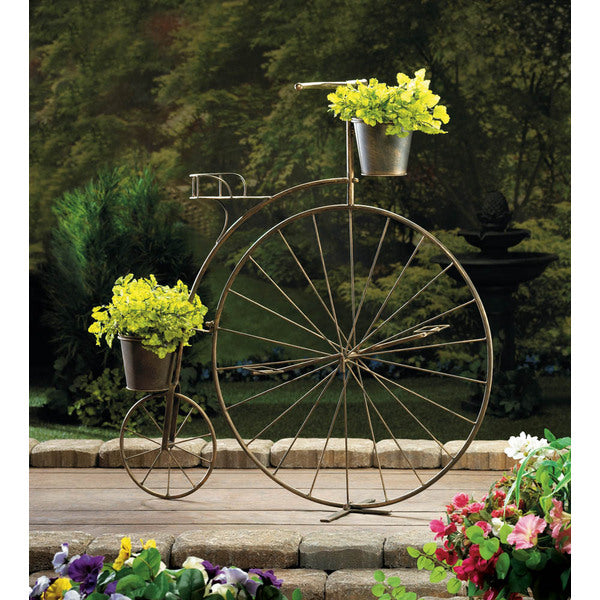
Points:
[[184, 463], [357, 326]]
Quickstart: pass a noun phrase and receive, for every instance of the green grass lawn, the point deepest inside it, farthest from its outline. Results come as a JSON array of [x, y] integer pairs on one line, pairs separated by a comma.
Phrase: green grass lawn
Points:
[[250, 418]]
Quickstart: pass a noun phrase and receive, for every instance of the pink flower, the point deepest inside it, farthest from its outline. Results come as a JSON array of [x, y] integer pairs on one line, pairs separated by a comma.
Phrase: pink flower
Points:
[[441, 530], [475, 507], [561, 527], [525, 532], [460, 500], [485, 526]]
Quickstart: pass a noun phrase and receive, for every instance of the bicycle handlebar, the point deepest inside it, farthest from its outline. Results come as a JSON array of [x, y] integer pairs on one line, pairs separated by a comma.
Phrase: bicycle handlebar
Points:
[[326, 84]]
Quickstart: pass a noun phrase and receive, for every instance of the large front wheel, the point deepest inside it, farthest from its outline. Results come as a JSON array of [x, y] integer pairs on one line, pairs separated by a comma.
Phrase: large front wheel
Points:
[[358, 327]]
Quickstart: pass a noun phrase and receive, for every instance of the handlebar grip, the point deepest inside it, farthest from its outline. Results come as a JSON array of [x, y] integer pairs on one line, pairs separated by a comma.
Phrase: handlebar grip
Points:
[[326, 84]]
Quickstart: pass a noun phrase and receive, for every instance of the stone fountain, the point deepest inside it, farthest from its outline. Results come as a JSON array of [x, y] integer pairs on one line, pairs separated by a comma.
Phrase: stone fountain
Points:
[[497, 271]]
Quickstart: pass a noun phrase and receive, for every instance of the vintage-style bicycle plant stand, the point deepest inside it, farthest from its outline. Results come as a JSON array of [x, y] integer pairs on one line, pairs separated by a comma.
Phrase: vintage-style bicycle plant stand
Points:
[[374, 348]]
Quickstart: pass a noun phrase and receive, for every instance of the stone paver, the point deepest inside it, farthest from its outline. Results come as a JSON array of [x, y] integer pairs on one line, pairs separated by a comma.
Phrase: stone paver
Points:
[[66, 453], [32, 444], [395, 548], [108, 544], [246, 548], [43, 545], [356, 584], [110, 454], [230, 454], [306, 453], [480, 455], [336, 549], [418, 454], [310, 582]]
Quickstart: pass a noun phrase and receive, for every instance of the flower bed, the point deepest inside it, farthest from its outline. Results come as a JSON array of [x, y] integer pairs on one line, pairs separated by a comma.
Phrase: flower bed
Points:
[[515, 540], [144, 575]]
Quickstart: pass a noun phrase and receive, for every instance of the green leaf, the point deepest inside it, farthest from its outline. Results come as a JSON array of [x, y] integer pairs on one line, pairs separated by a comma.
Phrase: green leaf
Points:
[[521, 555], [147, 564], [191, 585], [379, 576], [489, 547], [502, 565], [423, 562], [534, 560], [438, 574], [475, 534], [297, 594], [378, 590], [453, 586], [413, 552], [129, 583], [504, 532], [430, 548], [394, 581], [564, 578]]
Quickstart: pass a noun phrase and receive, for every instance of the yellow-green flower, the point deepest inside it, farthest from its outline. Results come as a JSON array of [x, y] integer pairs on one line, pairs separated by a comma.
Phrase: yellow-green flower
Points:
[[148, 544], [57, 590], [124, 554]]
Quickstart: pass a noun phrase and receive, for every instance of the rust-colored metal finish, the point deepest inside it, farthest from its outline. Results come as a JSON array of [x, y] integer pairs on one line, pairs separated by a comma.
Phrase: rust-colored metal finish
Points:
[[338, 354], [346, 308]]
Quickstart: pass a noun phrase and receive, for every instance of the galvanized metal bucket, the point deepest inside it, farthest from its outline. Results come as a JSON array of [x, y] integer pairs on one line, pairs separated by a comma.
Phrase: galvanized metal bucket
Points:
[[144, 370], [378, 153]]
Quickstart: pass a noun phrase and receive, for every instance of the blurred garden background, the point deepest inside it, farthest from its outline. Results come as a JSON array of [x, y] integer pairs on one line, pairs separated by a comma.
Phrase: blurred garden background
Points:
[[128, 98]]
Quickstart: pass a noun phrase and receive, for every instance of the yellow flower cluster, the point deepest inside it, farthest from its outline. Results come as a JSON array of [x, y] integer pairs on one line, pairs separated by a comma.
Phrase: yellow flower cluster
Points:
[[409, 106]]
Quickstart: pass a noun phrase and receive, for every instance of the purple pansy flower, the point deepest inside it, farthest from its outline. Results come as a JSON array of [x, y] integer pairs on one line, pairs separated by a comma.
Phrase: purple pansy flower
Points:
[[267, 577], [211, 570], [111, 588], [85, 571], [60, 562]]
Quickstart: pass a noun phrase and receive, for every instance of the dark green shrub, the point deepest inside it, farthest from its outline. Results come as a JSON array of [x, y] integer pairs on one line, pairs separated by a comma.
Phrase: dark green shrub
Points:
[[116, 224]]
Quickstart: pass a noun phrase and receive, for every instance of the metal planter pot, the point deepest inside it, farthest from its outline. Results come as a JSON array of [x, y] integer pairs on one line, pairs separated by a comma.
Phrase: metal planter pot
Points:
[[144, 370], [378, 153]]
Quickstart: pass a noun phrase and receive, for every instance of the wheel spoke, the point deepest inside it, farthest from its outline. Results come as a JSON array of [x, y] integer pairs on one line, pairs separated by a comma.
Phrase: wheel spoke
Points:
[[141, 435], [379, 379], [422, 323], [274, 312], [387, 320], [423, 370], [291, 301], [132, 456], [306, 419], [422, 397], [294, 364], [393, 288], [308, 279], [322, 256], [277, 342], [351, 253], [423, 347], [289, 408], [152, 419], [369, 277], [183, 423], [152, 466], [172, 455], [335, 414], [280, 385], [384, 423]]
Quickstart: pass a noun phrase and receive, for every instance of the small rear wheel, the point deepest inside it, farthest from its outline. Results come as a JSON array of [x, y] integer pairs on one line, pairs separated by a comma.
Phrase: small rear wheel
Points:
[[171, 465]]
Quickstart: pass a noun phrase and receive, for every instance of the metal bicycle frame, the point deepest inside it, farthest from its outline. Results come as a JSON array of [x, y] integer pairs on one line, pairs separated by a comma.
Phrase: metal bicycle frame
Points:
[[228, 230]]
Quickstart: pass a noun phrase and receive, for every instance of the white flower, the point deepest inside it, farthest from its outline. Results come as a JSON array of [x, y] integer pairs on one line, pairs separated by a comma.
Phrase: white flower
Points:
[[221, 589], [72, 595], [497, 525], [193, 562], [523, 445]]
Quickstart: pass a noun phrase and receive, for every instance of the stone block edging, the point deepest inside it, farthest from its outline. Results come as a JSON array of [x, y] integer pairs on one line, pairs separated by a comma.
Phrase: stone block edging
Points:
[[305, 453]]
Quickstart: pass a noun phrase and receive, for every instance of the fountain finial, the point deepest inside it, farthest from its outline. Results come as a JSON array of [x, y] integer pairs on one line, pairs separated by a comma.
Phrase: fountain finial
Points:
[[494, 214]]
